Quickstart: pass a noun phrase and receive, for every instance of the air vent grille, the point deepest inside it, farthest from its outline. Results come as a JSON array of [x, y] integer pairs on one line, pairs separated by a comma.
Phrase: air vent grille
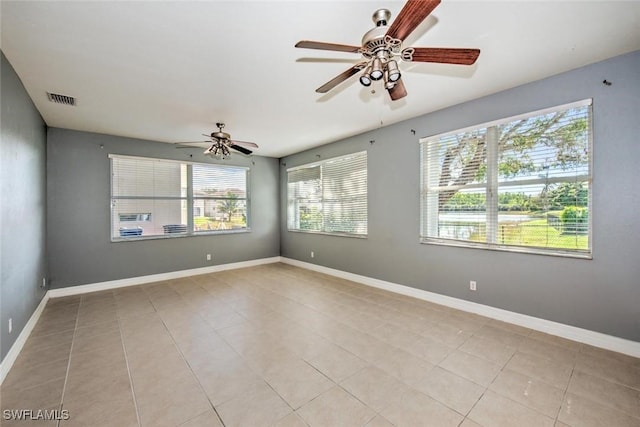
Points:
[[61, 99]]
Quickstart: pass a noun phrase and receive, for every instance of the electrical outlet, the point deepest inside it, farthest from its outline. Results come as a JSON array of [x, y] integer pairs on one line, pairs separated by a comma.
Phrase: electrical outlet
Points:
[[312, 254], [44, 283], [10, 325], [208, 257], [472, 285]]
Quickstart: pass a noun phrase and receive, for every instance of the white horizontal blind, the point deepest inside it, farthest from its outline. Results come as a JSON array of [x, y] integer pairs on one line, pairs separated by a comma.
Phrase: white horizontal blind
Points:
[[153, 197], [142, 177], [521, 183], [329, 196], [141, 186], [219, 197]]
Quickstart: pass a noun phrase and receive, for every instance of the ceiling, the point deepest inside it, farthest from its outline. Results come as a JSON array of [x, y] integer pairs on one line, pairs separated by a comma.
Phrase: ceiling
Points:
[[168, 71]]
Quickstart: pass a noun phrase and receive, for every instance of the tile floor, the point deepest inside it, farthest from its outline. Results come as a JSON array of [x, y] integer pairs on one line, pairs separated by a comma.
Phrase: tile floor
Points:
[[276, 345]]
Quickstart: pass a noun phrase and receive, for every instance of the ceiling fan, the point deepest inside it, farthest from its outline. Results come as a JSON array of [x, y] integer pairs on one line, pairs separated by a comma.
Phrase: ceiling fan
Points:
[[220, 144], [382, 44]]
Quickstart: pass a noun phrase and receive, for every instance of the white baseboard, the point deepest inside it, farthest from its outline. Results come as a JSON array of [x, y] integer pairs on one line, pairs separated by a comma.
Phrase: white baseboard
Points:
[[597, 339], [14, 351], [132, 281]]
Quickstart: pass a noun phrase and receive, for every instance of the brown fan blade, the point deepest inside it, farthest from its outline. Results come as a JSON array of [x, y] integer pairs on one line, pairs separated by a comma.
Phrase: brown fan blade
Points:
[[340, 78], [240, 149], [445, 55], [248, 144], [308, 44], [411, 15], [398, 91]]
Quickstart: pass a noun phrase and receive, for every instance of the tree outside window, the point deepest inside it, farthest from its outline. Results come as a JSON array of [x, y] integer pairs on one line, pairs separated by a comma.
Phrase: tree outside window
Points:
[[513, 184]]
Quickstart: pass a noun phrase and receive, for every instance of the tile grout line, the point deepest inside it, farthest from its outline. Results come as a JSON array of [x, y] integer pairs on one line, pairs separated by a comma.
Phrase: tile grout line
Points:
[[253, 370], [625, 411], [186, 361], [487, 388], [335, 384], [363, 332], [367, 333], [604, 377], [126, 360], [66, 377], [564, 394], [555, 419]]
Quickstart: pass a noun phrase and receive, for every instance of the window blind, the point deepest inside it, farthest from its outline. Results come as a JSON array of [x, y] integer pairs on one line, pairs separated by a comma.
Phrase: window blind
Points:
[[154, 197], [521, 183], [329, 196]]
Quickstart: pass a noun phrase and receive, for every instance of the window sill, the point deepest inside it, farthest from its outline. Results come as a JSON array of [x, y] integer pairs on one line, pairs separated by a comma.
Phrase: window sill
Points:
[[512, 249], [178, 235]]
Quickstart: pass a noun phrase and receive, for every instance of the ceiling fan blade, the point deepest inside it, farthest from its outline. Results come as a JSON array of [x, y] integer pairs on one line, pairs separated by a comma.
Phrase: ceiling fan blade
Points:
[[398, 91], [445, 55], [308, 44], [240, 149], [191, 144], [248, 144], [340, 78], [411, 15]]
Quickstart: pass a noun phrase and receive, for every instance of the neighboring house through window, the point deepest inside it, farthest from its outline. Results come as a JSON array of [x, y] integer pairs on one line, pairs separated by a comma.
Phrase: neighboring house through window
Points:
[[520, 184]]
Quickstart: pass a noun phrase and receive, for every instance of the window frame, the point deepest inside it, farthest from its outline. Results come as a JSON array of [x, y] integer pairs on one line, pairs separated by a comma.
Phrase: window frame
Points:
[[320, 164], [189, 199], [426, 238]]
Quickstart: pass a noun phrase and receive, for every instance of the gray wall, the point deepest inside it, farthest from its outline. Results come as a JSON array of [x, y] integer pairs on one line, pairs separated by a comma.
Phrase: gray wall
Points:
[[78, 197], [602, 294], [22, 206]]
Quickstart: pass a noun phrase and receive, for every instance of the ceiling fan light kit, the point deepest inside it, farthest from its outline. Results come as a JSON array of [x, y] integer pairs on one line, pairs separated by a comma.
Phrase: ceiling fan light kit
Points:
[[221, 144], [382, 45], [219, 151]]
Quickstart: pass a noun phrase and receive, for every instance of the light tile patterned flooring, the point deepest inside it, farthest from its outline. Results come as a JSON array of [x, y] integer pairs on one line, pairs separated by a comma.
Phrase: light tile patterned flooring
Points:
[[278, 345]]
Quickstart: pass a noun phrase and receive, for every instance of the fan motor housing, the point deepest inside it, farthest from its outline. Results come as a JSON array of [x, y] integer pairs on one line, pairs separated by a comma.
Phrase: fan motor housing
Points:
[[374, 41], [220, 135], [374, 38]]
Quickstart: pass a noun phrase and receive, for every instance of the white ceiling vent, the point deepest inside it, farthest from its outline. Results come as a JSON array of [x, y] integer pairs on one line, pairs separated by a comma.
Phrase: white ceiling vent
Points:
[[61, 99]]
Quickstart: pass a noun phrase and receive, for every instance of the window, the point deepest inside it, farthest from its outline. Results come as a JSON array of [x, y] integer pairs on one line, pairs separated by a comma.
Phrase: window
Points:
[[521, 184], [219, 197], [329, 196], [153, 197]]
